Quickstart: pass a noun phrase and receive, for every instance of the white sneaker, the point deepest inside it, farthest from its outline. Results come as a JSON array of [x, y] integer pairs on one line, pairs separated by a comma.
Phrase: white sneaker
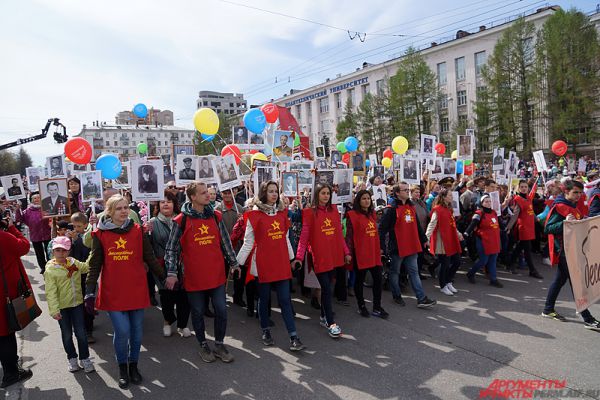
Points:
[[546, 261], [88, 365], [452, 288], [167, 331], [446, 291], [73, 365], [185, 332]]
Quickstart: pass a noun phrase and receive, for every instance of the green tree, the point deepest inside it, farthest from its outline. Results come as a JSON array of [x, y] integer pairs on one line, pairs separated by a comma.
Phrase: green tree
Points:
[[23, 160], [374, 132], [223, 137], [504, 105], [411, 91], [568, 62], [348, 126], [8, 163]]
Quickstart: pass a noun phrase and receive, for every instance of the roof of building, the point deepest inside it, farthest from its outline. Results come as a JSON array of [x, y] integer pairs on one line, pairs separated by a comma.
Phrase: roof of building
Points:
[[141, 128]]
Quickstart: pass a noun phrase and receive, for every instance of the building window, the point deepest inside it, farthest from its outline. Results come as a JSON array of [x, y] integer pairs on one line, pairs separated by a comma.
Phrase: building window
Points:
[[441, 74], [479, 62], [459, 65], [528, 50], [310, 127], [379, 86], [531, 112], [444, 125], [365, 90], [351, 97], [324, 126], [462, 118], [116, 143], [107, 143], [324, 105], [298, 112], [309, 109], [338, 100], [114, 135], [461, 98], [443, 101]]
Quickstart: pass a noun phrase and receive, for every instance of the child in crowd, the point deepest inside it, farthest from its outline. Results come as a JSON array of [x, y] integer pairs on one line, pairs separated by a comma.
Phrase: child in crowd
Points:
[[65, 301], [62, 227]]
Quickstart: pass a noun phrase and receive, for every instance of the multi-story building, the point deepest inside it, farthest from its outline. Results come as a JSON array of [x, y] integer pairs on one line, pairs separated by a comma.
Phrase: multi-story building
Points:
[[154, 117], [123, 139], [457, 64], [226, 103]]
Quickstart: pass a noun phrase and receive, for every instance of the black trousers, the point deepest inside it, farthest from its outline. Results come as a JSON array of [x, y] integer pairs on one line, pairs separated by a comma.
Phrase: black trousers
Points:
[[41, 250], [8, 354], [169, 301], [238, 285], [88, 319], [376, 274], [525, 246], [340, 289]]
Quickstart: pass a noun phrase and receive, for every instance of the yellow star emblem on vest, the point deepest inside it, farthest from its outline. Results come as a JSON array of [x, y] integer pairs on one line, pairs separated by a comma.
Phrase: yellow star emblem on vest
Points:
[[275, 225], [203, 229], [327, 222], [121, 243], [371, 225]]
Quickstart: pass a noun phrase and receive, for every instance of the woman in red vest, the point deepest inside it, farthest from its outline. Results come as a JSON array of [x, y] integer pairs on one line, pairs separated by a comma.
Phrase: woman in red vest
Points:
[[444, 240], [362, 239], [266, 238], [322, 236], [524, 218], [487, 240], [119, 251]]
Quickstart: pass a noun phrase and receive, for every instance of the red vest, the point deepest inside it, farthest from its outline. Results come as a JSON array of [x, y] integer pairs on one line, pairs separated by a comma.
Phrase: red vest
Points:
[[407, 232], [595, 197], [446, 226], [326, 238], [564, 210], [583, 205], [122, 284], [489, 232], [365, 239], [203, 262], [270, 235], [526, 219]]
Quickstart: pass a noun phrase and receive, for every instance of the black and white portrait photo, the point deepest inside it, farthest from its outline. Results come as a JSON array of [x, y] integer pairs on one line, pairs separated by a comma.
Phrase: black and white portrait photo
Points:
[[513, 163], [410, 170], [397, 162], [226, 172], [379, 170], [449, 167], [240, 135], [187, 149], [428, 146], [13, 187], [56, 166], [147, 179], [465, 147], [257, 141], [264, 174], [206, 172], [321, 163], [498, 159], [336, 157], [320, 151], [55, 197], [91, 185], [357, 163], [379, 196], [185, 169], [123, 180], [438, 167], [304, 169], [325, 177], [34, 174], [289, 184], [342, 186]]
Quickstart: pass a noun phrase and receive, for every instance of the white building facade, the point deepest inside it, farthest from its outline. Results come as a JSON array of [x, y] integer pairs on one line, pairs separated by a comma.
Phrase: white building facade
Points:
[[225, 103]]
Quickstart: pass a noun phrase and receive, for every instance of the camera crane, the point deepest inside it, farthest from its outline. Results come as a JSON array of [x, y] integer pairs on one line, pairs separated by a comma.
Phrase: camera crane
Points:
[[58, 136]]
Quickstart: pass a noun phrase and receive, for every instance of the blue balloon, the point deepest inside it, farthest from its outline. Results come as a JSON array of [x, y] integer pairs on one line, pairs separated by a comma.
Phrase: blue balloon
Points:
[[368, 163], [109, 165], [459, 167], [207, 138], [255, 121], [351, 143], [140, 110]]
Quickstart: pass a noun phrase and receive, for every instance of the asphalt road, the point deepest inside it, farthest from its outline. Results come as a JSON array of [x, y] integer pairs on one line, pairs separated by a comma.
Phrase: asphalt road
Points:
[[452, 351]]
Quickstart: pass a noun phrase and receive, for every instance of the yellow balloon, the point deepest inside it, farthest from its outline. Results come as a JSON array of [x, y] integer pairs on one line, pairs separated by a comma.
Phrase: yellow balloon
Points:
[[386, 162], [399, 145], [259, 156], [454, 155], [355, 179], [206, 121]]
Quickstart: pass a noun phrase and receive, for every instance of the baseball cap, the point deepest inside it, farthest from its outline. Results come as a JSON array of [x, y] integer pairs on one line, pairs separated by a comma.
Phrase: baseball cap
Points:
[[61, 242]]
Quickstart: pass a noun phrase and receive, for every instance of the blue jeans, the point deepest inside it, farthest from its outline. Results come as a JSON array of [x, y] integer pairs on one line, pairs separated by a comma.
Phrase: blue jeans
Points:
[[282, 288], [448, 267], [561, 277], [489, 260], [198, 302], [72, 321], [127, 339], [412, 268], [326, 295]]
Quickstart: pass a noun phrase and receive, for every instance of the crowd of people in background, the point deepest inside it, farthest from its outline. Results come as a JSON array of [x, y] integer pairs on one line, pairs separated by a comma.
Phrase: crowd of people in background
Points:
[[109, 257]]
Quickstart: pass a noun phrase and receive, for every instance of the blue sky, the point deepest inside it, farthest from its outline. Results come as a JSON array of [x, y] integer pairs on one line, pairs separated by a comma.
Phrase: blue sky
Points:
[[84, 61]]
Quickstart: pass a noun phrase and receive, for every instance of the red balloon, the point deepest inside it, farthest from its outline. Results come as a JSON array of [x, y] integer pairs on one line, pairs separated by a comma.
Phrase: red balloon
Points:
[[559, 148], [271, 112], [253, 151], [346, 158], [232, 149], [440, 148], [388, 153], [78, 150]]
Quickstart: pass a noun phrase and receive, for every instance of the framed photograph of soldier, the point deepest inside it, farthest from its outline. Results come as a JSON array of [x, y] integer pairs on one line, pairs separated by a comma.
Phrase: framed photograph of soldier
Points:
[[54, 193], [264, 174], [498, 159], [513, 163], [540, 160], [397, 162], [13, 187], [56, 166], [325, 176], [226, 172], [34, 174], [357, 163], [320, 151], [321, 163], [304, 168], [257, 141], [147, 179], [410, 170], [342, 186], [297, 156], [206, 172], [185, 169], [283, 144], [240, 136], [187, 149], [379, 195], [449, 167], [335, 157], [123, 181], [77, 167], [438, 168], [465, 147], [91, 185], [428, 146], [455, 203], [379, 170], [289, 184], [495, 197]]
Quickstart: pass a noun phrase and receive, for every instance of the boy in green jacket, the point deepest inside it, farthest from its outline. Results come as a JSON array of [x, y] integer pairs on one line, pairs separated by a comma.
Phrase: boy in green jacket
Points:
[[65, 301]]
